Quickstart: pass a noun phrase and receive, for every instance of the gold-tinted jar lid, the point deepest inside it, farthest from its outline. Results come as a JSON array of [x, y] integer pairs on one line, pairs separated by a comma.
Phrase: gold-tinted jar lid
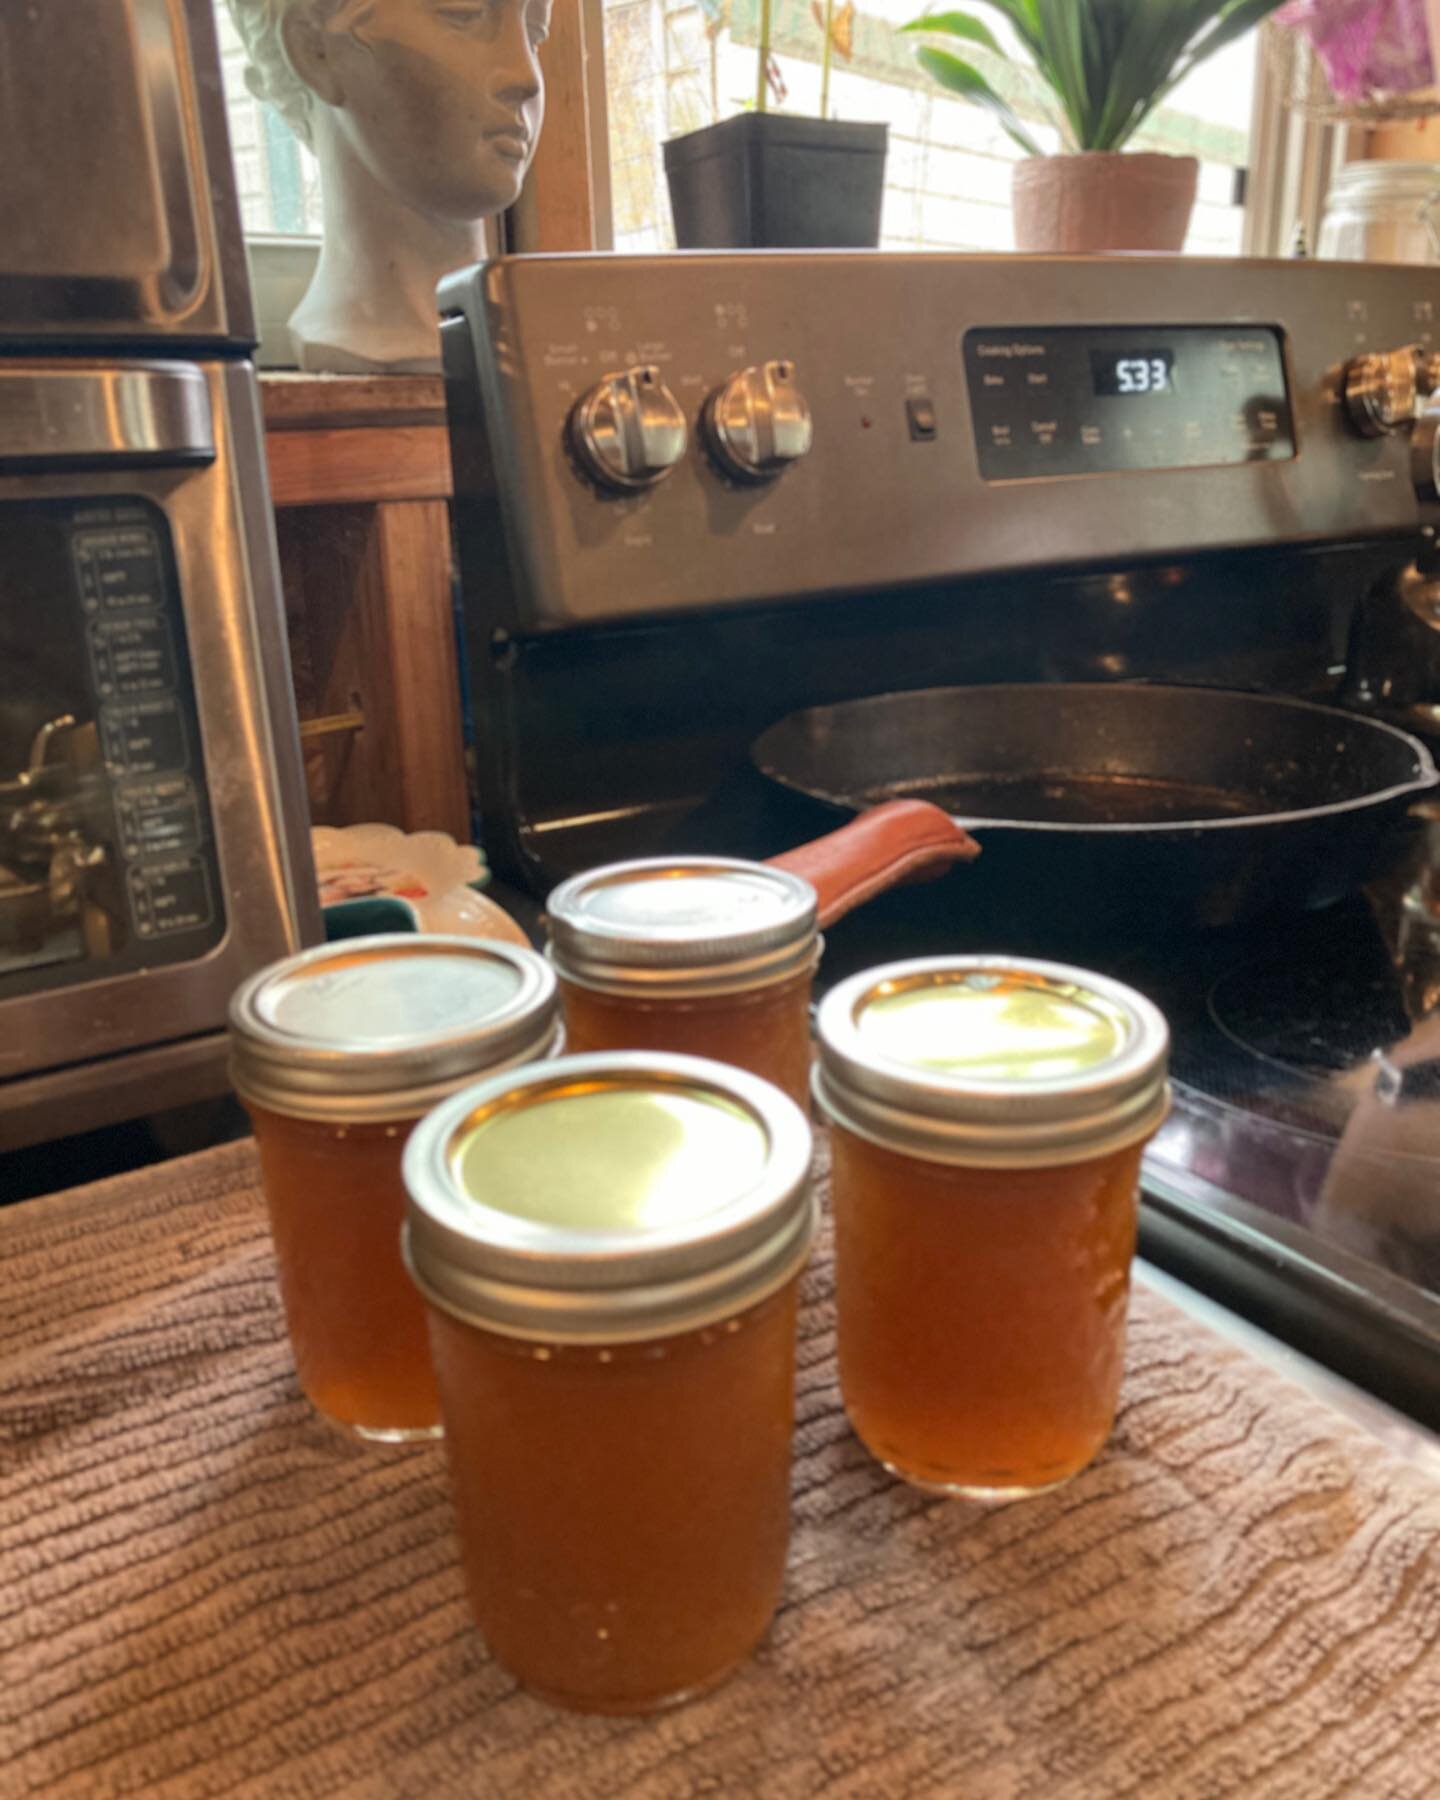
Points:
[[608, 1198], [683, 925], [383, 1027], [995, 1062]]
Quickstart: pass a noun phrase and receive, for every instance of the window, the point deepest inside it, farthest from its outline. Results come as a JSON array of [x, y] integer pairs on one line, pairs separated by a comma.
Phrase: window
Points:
[[948, 172], [276, 175]]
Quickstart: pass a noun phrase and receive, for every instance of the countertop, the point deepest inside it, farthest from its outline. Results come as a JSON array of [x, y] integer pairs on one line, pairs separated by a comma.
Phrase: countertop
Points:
[[209, 1592]]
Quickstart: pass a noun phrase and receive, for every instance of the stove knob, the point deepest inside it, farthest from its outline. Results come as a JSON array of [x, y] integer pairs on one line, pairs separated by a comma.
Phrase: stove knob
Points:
[[1425, 460], [628, 432], [1383, 388], [757, 423]]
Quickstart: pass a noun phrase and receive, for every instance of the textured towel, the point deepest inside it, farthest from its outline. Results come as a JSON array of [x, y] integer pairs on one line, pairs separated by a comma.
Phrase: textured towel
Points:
[[205, 1591]]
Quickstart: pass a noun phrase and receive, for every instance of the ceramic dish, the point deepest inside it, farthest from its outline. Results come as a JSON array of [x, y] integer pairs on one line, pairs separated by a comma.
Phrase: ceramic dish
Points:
[[427, 869]]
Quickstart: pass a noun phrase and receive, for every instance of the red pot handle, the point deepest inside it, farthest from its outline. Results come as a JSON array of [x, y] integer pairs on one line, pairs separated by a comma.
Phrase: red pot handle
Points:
[[900, 841]]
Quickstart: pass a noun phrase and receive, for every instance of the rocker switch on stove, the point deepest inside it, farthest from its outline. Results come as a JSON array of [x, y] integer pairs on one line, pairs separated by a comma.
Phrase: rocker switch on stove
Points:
[[920, 413]]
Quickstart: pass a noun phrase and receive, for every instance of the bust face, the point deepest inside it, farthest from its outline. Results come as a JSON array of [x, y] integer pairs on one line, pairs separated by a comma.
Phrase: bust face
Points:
[[442, 100]]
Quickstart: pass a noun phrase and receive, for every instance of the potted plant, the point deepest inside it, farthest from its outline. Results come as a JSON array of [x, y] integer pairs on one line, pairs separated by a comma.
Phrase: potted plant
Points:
[[1108, 65], [767, 180]]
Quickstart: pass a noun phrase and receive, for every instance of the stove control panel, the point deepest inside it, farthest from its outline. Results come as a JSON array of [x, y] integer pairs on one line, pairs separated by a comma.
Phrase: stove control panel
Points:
[[1091, 402], [641, 436]]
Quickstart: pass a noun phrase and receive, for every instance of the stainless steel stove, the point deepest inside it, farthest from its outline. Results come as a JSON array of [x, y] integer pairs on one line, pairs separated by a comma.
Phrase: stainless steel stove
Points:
[[696, 493]]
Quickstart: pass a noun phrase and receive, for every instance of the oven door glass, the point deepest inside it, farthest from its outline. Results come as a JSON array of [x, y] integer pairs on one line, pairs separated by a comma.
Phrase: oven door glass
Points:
[[107, 849]]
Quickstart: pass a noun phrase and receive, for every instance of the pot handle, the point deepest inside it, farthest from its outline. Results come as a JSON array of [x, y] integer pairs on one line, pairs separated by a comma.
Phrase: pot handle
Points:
[[899, 841]]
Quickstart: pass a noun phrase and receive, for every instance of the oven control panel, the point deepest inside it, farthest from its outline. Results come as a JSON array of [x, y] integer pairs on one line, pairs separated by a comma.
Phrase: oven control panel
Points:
[[107, 845], [642, 436], [1094, 402]]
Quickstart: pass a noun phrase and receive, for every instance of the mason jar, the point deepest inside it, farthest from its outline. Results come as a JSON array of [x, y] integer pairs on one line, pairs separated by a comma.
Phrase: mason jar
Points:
[[701, 955], [1382, 212], [336, 1053], [610, 1247], [989, 1116]]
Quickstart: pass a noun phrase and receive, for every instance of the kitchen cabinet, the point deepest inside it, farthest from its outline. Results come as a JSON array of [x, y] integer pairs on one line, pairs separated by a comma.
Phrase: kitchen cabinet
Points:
[[360, 480]]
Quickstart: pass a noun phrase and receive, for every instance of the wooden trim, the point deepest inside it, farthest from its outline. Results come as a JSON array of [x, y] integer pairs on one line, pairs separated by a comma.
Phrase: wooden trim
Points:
[[337, 439], [1407, 140], [407, 591], [372, 638], [295, 402], [365, 463], [1292, 160], [597, 99], [360, 478], [557, 209]]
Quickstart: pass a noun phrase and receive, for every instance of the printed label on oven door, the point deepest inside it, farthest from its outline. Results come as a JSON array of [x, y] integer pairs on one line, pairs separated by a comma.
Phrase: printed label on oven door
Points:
[[170, 895], [131, 654], [118, 568], [158, 815], [144, 738]]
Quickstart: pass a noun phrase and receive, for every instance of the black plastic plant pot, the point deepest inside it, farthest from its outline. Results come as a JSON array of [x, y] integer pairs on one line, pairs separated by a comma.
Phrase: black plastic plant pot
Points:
[[766, 181]]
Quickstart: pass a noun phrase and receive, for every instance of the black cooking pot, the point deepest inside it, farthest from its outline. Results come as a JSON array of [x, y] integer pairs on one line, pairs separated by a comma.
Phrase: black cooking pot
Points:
[[1139, 805]]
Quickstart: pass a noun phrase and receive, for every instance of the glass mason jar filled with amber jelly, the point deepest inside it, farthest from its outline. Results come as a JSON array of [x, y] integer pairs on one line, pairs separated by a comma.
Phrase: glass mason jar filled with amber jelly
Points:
[[989, 1115], [336, 1053], [610, 1246], [700, 955]]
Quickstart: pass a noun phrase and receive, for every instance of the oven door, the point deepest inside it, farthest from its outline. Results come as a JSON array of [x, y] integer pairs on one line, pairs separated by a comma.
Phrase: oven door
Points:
[[153, 846], [118, 216]]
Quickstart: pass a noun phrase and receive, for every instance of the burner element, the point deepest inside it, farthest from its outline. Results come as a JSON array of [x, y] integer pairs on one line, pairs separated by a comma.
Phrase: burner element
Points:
[[1311, 1015]]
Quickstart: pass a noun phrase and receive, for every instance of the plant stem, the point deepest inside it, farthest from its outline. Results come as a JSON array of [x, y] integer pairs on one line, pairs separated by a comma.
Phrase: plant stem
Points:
[[825, 61], [762, 82]]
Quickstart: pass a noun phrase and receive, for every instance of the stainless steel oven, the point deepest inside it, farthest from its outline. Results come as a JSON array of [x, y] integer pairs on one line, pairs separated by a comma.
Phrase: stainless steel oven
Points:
[[153, 842]]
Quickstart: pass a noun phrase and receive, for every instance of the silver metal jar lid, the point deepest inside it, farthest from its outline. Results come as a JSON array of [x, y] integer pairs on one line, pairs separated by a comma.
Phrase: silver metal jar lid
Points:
[[608, 1198], [684, 925], [383, 1027], [992, 1061]]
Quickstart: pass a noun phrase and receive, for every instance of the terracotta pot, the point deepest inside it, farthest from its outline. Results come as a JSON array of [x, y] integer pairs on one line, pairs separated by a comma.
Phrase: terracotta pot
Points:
[[1125, 200]]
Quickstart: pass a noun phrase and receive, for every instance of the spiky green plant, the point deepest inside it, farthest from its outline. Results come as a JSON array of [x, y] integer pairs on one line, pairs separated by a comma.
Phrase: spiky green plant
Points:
[[1109, 63]]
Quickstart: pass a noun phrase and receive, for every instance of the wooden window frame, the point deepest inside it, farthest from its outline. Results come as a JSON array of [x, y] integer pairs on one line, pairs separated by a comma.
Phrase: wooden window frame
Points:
[[1293, 160], [566, 202]]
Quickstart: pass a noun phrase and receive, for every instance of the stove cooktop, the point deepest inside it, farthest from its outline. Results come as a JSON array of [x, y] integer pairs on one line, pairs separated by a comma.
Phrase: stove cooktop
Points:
[[1307, 1081]]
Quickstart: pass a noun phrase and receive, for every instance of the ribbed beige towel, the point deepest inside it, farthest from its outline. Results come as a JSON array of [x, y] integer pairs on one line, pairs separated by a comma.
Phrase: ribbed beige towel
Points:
[[207, 1592]]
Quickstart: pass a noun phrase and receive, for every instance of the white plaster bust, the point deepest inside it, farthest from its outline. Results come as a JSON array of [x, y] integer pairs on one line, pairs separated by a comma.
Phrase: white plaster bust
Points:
[[423, 115]]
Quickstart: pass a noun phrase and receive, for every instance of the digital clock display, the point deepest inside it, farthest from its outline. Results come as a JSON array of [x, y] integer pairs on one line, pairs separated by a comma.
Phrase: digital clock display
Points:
[[1133, 371]]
